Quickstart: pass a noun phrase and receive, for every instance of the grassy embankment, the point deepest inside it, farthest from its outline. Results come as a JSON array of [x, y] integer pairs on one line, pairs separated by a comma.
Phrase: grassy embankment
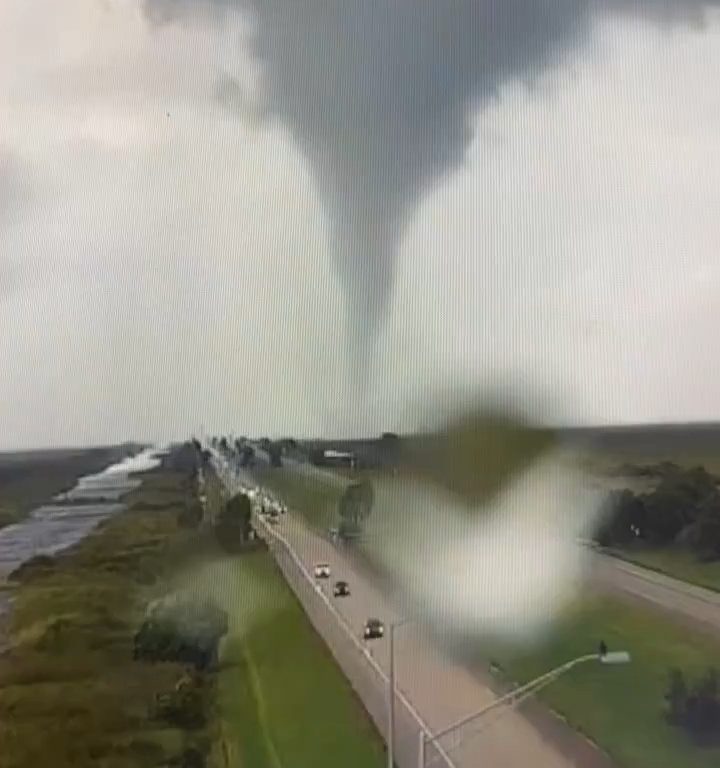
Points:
[[620, 708], [282, 699], [70, 693], [316, 500], [678, 563]]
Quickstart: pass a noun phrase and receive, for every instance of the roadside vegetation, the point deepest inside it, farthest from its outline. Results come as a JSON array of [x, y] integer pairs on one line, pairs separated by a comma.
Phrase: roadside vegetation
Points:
[[623, 708], [674, 527], [282, 700], [316, 500], [70, 692]]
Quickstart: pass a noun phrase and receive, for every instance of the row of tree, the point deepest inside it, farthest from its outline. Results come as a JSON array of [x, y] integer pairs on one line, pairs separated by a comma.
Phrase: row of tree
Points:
[[682, 510]]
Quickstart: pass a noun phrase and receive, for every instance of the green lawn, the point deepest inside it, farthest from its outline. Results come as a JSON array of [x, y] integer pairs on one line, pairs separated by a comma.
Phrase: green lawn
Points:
[[678, 563], [315, 499], [621, 707], [283, 700]]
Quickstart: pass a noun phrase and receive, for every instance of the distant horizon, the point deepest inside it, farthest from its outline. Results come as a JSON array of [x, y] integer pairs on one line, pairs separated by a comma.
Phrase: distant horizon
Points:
[[606, 428]]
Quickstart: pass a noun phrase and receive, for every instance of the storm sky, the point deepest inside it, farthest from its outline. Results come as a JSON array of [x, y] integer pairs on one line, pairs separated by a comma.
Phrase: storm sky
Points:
[[228, 213]]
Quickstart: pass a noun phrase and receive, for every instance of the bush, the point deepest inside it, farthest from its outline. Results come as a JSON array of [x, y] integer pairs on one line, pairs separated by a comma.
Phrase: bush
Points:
[[232, 527], [36, 566], [695, 708], [190, 516], [190, 758], [185, 706], [188, 632]]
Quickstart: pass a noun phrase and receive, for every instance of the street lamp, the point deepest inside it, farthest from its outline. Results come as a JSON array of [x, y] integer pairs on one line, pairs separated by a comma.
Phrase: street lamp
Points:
[[391, 693], [518, 695]]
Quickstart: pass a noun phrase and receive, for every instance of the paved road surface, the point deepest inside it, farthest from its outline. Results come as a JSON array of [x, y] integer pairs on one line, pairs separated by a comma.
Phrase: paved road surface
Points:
[[440, 690], [698, 606], [692, 604]]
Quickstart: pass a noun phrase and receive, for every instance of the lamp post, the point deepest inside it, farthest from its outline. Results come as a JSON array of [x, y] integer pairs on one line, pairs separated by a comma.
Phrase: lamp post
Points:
[[524, 691], [391, 693]]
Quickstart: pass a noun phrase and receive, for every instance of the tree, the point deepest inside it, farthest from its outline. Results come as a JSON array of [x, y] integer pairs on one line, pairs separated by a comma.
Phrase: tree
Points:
[[625, 519], [703, 706], [695, 708], [274, 451], [676, 697], [354, 508], [247, 456], [232, 527], [707, 530]]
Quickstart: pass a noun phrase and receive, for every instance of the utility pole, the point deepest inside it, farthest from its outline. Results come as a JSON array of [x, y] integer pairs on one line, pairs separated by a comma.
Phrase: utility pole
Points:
[[391, 703], [391, 692]]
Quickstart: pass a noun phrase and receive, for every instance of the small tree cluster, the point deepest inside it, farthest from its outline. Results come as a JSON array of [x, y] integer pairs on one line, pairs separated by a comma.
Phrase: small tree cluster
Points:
[[695, 707], [274, 451], [233, 523], [684, 508], [183, 631], [354, 508], [185, 706]]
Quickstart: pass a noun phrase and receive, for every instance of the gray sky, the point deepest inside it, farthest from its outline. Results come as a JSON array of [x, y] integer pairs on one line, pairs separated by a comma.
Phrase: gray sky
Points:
[[187, 203]]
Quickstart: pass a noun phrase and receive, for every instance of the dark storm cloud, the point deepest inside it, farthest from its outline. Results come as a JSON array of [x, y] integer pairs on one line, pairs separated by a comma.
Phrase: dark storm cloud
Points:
[[379, 97]]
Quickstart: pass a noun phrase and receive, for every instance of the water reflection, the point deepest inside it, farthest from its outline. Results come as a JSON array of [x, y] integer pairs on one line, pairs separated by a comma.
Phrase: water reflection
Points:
[[53, 527]]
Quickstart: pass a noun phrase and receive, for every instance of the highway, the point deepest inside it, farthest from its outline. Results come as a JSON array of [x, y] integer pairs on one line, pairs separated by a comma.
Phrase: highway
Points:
[[442, 691], [438, 689], [689, 603]]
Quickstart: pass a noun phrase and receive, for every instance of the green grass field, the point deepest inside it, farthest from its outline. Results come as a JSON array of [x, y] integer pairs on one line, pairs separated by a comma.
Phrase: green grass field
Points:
[[621, 707], [283, 701], [315, 499]]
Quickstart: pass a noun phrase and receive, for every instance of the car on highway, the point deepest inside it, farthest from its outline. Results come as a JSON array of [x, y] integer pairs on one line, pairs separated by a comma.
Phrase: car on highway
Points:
[[341, 589], [322, 571], [374, 628]]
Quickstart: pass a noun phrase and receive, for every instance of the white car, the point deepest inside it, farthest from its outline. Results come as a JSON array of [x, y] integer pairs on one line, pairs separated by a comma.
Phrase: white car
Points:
[[322, 571]]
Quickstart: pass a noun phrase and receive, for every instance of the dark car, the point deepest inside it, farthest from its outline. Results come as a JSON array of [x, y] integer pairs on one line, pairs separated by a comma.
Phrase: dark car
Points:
[[374, 628], [341, 589]]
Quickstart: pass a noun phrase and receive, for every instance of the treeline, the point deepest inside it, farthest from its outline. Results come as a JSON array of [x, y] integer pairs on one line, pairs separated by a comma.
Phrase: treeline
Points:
[[682, 510]]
